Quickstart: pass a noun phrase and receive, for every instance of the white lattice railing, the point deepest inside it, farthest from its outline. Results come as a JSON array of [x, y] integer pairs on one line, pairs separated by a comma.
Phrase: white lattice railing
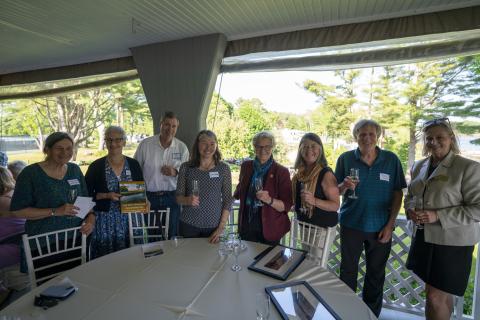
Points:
[[403, 290]]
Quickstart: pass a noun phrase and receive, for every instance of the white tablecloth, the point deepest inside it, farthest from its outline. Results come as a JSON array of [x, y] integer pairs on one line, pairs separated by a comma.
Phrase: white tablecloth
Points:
[[188, 282]]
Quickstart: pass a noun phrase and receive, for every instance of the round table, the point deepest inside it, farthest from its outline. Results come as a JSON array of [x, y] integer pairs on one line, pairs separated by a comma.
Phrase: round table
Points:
[[190, 281]]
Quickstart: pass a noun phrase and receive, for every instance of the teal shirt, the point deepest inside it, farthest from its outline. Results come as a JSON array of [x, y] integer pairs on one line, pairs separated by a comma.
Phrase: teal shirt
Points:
[[371, 211], [34, 188]]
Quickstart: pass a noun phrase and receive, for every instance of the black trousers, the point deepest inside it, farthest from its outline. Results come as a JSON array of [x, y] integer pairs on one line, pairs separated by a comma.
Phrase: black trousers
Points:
[[189, 231], [352, 243]]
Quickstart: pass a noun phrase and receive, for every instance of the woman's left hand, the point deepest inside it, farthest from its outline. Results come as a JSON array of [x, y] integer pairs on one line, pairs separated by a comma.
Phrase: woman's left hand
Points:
[[263, 196], [427, 216], [88, 225], [308, 198], [215, 236]]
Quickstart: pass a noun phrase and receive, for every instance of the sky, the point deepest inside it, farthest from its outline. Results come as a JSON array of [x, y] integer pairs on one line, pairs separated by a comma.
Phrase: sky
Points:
[[279, 91]]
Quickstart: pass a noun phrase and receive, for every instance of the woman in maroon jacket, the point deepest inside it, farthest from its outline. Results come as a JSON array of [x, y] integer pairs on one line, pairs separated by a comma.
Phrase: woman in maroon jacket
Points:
[[263, 215]]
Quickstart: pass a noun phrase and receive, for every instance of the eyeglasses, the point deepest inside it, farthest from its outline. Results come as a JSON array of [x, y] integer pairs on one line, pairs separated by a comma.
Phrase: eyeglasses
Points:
[[110, 140], [266, 148], [444, 121]]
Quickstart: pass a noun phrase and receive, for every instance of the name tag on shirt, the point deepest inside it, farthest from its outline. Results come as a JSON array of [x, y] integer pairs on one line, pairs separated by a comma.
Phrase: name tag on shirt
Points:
[[176, 156], [127, 172], [385, 177], [73, 182], [214, 174]]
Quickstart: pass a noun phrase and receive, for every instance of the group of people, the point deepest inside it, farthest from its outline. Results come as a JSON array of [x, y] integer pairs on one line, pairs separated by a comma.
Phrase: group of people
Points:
[[197, 188]]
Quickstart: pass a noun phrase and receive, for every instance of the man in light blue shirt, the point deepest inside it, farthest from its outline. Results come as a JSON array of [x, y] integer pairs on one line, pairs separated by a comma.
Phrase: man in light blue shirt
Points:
[[367, 221]]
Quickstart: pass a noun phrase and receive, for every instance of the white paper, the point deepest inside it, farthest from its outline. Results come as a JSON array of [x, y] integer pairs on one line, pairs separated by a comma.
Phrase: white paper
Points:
[[85, 204]]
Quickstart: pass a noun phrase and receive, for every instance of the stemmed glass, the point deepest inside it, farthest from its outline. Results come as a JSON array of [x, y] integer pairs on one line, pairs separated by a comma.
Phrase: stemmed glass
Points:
[[355, 177], [263, 306], [236, 249], [418, 200], [303, 186], [195, 189], [72, 195], [258, 187]]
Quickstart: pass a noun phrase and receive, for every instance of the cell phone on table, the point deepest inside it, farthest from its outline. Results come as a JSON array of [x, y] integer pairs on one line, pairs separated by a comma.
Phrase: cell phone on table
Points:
[[61, 292]]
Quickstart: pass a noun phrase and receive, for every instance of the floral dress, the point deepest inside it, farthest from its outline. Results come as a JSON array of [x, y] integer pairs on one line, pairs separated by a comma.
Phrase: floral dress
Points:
[[111, 227]]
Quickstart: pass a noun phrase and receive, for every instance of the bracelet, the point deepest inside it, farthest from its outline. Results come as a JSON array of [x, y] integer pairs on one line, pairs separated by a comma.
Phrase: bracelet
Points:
[[52, 213], [271, 201]]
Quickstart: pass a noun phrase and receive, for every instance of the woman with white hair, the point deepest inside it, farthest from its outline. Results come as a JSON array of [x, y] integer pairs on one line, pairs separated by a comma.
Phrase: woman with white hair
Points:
[[103, 177], [265, 194], [443, 199]]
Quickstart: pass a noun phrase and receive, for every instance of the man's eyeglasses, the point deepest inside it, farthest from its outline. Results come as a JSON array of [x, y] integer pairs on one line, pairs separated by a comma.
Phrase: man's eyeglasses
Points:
[[266, 148], [429, 123], [110, 140]]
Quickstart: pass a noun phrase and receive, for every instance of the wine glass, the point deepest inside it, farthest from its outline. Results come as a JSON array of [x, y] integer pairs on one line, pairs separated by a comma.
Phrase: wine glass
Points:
[[72, 195], [223, 247], [236, 249], [263, 306], [303, 207], [355, 177], [195, 189], [418, 201], [258, 187]]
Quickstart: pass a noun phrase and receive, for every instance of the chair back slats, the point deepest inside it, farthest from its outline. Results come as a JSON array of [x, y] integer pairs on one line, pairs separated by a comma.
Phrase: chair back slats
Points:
[[317, 239], [148, 227], [47, 258]]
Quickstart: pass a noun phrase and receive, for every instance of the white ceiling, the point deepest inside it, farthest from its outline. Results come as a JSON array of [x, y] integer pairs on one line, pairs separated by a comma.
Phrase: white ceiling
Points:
[[38, 34]]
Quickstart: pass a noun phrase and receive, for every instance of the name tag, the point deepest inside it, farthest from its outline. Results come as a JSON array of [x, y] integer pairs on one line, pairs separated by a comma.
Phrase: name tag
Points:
[[127, 172], [73, 182], [384, 177], [176, 156], [214, 174]]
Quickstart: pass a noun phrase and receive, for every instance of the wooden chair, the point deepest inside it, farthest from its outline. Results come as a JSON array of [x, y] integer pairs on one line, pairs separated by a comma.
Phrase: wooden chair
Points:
[[49, 254], [318, 240], [150, 227]]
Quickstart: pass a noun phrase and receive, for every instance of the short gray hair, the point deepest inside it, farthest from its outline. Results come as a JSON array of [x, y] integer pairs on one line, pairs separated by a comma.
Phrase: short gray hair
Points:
[[16, 167], [366, 123], [117, 129], [263, 135]]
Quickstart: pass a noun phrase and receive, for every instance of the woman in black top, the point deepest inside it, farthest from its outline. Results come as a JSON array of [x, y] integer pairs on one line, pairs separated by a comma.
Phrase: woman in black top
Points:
[[103, 177], [314, 185]]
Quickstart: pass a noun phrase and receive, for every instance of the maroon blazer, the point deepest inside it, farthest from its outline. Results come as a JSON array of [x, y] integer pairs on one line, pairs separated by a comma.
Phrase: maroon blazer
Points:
[[275, 224]]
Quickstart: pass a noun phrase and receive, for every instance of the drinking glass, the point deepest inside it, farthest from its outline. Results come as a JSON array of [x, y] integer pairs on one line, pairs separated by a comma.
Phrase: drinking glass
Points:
[[355, 177], [177, 241], [195, 189], [418, 200], [236, 249], [258, 187], [263, 306], [303, 207], [72, 195], [223, 248]]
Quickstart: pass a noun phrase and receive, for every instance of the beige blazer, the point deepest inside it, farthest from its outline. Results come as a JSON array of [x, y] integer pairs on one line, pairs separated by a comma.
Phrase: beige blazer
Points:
[[453, 190]]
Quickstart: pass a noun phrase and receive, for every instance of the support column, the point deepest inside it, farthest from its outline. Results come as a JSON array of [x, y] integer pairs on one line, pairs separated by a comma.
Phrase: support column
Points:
[[180, 76]]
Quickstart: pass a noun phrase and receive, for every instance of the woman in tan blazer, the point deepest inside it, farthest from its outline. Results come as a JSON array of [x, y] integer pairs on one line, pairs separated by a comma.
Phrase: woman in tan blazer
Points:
[[443, 201]]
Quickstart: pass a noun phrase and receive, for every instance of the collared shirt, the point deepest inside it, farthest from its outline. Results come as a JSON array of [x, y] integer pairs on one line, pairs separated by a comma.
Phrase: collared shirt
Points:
[[371, 211], [152, 156]]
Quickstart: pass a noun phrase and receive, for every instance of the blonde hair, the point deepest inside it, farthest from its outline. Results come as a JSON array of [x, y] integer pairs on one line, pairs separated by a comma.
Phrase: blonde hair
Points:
[[6, 181], [445, 125]]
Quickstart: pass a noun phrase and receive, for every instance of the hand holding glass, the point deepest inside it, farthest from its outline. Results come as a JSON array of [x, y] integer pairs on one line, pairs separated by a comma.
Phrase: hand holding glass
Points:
[[258, 187], [303, 187], [355, 177], [418, 209], [195, 189]]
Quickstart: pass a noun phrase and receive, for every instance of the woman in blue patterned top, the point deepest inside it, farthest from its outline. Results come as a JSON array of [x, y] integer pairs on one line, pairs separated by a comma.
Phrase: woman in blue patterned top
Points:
[[204, 214], [41, 191], [103, 177]]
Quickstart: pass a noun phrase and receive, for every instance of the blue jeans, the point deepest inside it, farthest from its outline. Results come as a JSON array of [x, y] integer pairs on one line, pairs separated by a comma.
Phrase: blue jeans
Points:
[[161, 202]]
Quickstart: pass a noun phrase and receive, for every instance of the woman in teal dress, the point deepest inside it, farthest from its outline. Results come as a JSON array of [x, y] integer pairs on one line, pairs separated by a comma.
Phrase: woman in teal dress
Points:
[[42, 189], [103, 177]]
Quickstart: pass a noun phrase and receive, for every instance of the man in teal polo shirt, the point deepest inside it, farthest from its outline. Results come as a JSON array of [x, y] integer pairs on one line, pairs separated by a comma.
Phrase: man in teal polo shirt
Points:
[[367, 221]]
